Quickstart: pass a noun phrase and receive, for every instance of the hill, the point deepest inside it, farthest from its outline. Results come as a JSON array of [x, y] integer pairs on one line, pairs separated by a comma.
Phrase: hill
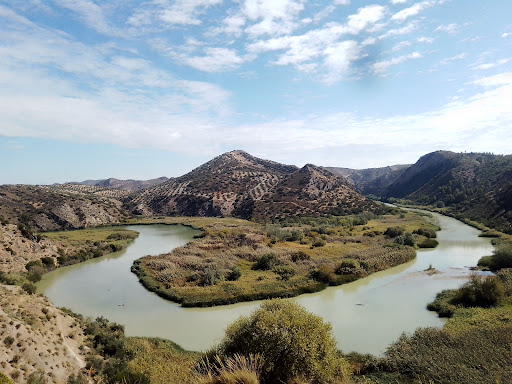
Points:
[[46, 208], [238, 184], [371, 181], [126, 185], [473, 185]]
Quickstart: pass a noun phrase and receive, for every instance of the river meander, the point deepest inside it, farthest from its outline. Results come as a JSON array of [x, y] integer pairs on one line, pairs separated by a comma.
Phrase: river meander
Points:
[[366, 315]]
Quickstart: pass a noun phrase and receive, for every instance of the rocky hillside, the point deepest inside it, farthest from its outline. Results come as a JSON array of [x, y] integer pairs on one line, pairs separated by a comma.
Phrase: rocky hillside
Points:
[[126, 185], [371, 181], [46, 208], [39, 343], [241, 185], [476, 185], [310, 191], [17, 249]]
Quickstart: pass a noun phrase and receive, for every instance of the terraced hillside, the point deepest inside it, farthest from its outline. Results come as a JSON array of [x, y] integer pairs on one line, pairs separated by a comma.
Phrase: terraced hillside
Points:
[[311, 191], [129, 185], [46, 208], [223, 186], [241, 185]]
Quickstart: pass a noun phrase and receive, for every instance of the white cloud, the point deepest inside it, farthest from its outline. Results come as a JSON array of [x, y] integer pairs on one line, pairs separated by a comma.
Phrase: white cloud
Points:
[[450, 59], [214, 60], [364, 17], [342, 2], [381, 67], [395, 2], [272, 17], [338, 58], [492, 65], [412, 11], [401, 45], [450, 28], [424, 39], [91, 13], [400, 31], [506, 34], [180, 12]]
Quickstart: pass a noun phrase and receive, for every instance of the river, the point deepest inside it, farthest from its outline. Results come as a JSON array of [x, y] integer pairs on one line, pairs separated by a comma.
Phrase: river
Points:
[[366, 315]]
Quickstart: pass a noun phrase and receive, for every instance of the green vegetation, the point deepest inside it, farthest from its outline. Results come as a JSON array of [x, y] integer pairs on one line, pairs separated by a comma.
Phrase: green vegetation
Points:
[[290, 341], [479, 291], [236, 260], [4, 379], [84, 244]]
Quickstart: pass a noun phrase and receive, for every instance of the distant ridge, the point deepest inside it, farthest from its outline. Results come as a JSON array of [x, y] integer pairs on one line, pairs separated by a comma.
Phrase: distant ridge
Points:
[[126, 185]]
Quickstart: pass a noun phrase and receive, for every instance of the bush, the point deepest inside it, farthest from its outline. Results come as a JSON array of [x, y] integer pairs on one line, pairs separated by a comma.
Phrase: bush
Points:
[[4, 379], [234, 275], [505, 276], [29, 287], [324, 274], [428, 243], [480, 291], [48, 262], [393, 232], [285, 272], [290, 341], [318, 243], [300, 256], [37, 377], [502, 257], [427, 232], [266, 262]]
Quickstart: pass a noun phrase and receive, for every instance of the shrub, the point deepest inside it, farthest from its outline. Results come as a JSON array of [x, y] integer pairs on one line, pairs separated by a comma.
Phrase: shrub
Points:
[[318, 243], [4, 379], [324, 274], [37, 377], [266, 262], [428, 243], [300, 256], [502, 257], [29, 287], [235, 274], [285, 272], [427, 232], [393, 232], [211, 276], [480, 291], [8, 341], [347, 266], [290, 341], [32, 264], [505, 276], [48, 262]]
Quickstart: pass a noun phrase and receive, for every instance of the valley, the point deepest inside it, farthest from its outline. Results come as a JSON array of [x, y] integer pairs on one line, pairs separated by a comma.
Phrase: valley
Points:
[[256, 229]]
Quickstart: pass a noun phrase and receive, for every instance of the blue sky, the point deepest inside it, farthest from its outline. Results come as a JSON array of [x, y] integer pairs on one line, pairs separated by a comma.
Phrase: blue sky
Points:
[[141, 89]]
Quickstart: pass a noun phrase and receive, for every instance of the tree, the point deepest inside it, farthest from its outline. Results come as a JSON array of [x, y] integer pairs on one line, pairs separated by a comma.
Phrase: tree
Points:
[[291, 342]]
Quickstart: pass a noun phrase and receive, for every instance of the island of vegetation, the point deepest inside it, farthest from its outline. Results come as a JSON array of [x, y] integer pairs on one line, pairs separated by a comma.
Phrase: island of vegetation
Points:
[[235, 260]]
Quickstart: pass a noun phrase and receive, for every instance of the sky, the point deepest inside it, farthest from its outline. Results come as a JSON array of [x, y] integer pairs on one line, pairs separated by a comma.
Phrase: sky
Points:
[[93, 89]]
